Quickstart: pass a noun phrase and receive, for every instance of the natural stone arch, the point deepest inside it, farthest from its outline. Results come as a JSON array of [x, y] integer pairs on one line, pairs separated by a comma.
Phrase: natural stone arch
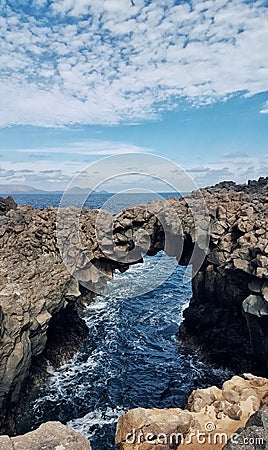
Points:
[[228, 310]]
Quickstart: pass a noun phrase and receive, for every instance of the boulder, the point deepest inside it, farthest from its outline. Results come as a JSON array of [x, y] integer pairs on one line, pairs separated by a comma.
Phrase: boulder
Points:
[[6, 204], [49, 436]]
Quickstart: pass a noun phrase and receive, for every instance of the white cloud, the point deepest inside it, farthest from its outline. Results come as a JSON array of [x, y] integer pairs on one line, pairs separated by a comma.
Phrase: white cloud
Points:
[[49, 174], [118, 60], [43, 175], [264, 109], [90, 147], [235, 155], [234, 166], [40, 167]]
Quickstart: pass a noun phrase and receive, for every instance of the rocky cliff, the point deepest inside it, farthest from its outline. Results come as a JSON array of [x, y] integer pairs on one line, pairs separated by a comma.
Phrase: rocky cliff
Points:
[[54, 260], [228, 313]]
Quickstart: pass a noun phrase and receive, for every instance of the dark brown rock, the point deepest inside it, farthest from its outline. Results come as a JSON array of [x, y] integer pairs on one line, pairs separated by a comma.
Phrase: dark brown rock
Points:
[[6, 204]]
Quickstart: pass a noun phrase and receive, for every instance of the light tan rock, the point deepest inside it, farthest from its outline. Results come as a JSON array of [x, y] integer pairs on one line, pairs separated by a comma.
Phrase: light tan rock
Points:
[[5, 443], [150, 428], [50, 435], [210, 411]]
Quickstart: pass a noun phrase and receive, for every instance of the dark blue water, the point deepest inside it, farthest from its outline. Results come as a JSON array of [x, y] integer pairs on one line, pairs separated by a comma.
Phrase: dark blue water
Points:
[[131, 358]]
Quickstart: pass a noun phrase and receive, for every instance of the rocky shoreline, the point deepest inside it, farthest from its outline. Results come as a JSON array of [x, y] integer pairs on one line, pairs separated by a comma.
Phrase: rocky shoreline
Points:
[[43, 274]]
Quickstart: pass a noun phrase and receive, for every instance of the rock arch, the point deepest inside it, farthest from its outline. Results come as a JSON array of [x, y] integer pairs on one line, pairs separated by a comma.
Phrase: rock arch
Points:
[[228, 313]]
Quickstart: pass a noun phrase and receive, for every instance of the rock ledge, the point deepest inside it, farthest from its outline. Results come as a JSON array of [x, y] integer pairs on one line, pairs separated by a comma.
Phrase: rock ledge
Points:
[[49, 436]]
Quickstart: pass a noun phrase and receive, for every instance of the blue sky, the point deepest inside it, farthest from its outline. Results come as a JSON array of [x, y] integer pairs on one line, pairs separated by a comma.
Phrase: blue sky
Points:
[[81, 80]]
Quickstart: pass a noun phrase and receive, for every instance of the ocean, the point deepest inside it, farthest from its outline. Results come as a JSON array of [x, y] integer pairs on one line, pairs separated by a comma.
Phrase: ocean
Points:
[[111, 202]]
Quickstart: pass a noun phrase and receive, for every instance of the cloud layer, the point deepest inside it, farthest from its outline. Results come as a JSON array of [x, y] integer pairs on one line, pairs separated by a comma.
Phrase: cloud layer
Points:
[[115, 61], [47, 174]]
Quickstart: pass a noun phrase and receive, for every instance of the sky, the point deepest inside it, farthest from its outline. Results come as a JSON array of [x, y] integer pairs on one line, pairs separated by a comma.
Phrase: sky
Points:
[[82, 80]]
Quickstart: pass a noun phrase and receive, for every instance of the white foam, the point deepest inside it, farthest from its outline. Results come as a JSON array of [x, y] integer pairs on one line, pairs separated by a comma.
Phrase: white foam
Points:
[[98, 417], [97, 305]]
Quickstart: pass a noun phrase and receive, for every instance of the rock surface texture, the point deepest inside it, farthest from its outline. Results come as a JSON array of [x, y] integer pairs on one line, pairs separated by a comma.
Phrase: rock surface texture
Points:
[[211, 416], [228, 313], [49, 436], [53, 259], [254, 436]]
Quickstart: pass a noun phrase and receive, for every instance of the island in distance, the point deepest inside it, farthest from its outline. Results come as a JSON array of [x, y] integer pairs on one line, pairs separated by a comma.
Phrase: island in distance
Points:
[[8, 189]]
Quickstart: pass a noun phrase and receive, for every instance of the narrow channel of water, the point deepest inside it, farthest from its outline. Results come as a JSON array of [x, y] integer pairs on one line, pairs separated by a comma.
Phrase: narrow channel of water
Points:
[[131, 358]]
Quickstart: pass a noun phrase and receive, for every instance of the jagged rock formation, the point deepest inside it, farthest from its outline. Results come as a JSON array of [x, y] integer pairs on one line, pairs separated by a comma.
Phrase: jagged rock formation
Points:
[[6, 204], [211, 416], [34, 288], [51, 260], [228, 313], [50, 435]]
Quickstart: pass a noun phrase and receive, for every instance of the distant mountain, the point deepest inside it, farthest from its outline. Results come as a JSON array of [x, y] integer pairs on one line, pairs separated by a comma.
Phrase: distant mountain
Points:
[[19, 189], [83, 191], [9, 189]]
